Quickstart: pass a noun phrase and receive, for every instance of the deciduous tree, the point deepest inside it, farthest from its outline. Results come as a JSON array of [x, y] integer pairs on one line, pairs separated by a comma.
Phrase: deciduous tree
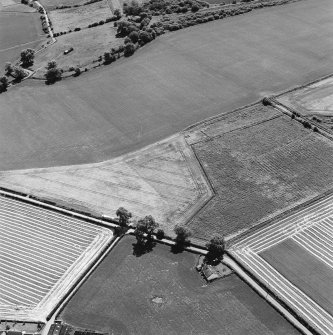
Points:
[[123, 216], [27, 57]]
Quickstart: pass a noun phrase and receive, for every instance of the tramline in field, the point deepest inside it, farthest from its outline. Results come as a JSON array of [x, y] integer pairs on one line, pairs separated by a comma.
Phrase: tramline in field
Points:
[[42, 255], [293, 257]]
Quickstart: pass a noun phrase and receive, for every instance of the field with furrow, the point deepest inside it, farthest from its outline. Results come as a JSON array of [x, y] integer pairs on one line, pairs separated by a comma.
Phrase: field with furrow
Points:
[[42, 254], [293, 257]]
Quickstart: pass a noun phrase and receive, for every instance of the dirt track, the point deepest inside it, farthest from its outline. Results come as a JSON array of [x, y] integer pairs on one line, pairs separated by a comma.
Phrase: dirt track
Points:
[[179, 79]]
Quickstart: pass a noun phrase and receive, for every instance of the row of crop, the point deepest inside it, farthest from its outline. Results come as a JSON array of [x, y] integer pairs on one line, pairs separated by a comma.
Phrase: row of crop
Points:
[[52, 221]]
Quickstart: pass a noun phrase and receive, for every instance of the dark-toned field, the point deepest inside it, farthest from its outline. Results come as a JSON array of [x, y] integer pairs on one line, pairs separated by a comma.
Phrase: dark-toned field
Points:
[[18, 31], [307, 272], [161, 293], [179, 79], [260, 170]]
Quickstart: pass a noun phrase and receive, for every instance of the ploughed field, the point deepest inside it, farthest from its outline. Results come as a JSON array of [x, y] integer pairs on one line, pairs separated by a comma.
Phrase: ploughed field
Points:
[[293, 257], [260, 163], [42, 254], [161, 293], [180, 78]]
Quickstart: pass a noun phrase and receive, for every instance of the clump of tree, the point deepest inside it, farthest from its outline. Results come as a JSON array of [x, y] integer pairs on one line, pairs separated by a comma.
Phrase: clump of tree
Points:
[[124, 216], [129, 49], [144, 235], [216, 248], [3, 84], [160, 234], [132, 8], [182, 239], [9, 69], [18, 73], [53, 73], [27, 57]]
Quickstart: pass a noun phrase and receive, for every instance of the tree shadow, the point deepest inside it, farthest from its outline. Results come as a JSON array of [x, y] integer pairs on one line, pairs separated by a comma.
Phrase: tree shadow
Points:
[[143, 247], [179, 247]]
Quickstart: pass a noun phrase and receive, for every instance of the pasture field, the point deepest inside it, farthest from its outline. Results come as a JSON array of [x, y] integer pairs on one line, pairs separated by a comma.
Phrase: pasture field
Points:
[[293, 257], [314, 101], [88, 45], [258, 170], [51, 4], [43, 254], [177, 80], [79, 17], [161, 293], [18, 31], [164, 180]]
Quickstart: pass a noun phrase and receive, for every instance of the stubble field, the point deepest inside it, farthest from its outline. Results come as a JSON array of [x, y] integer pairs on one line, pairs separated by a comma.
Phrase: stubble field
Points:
[[260, 170], [161, 293], [179, 79]]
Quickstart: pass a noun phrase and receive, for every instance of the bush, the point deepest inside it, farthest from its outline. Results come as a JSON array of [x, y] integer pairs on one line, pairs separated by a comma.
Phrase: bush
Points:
[[52, 75], [129, 49], [77, 29], [134, 36], [315, 129], [77, 71], [160, 234], [18, 73], [3, 84]]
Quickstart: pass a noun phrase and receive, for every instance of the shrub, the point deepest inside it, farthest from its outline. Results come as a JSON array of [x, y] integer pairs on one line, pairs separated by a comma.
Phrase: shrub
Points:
[[18, 73], [129, 49], [315, 129], [134, 36], [52, 75], [160, 234], [8, 68], [77, 29], [3, 84], [77, 71]]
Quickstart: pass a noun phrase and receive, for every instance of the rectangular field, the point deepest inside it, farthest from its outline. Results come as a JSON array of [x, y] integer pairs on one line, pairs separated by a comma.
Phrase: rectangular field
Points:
[[162, 293], [301, 268], [293, 258], [258, 167], [79, 17], [42, 254]]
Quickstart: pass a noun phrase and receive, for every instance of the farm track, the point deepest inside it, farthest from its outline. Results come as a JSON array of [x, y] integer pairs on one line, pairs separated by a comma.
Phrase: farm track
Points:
[[312, 229], [42, 253]]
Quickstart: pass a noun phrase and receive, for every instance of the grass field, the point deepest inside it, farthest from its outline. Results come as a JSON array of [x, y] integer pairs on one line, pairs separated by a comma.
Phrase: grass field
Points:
[[88, 45], [293, 257], [164, 180], [43, 253], [161, 293], [178, 79], [18, 31], [260, 170], [79, 17]]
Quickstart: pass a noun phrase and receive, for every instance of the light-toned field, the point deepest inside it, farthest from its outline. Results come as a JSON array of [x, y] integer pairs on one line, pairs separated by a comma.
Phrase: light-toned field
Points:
[[177, 80], [43, 253], [260, 163], [79, 17], [163, 180], [314, 101], [162, 293], [88, 45], [50, 4], [293, 257]]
